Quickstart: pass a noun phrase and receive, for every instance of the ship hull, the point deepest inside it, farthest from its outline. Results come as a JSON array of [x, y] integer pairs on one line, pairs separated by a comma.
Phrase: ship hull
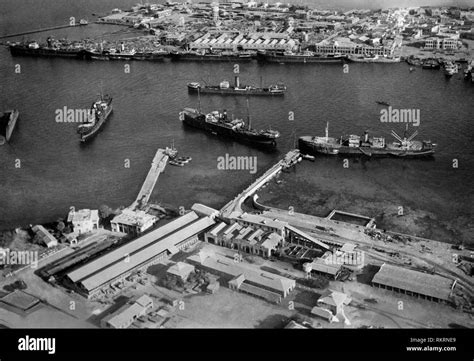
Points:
[[198, 122], [232, 91], [315, 149], [209, 58], [7, 125], [300, 59], [96, 129], [45, 52]]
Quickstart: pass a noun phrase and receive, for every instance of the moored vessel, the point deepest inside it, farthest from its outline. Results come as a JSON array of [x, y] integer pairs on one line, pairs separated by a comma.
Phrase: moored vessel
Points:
[[225, 88], [299, 57], [218, 123], [8, 122], [367, 146], [98, 114]]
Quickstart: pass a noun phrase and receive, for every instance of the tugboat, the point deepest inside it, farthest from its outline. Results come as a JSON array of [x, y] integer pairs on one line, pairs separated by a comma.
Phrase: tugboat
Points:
[[369, 146], [225, 88], [99, 112], [7, 124], [218, 123]]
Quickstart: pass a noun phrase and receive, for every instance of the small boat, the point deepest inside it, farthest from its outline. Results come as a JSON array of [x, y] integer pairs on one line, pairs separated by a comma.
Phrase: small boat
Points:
[[176, 163], [450, 68], [382, 103], [184, 159], [412, 69], [308, 157]]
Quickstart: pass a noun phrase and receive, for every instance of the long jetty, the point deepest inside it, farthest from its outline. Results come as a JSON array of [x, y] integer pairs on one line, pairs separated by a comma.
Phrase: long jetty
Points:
[[157, 166], [234, 207], [41, 30]]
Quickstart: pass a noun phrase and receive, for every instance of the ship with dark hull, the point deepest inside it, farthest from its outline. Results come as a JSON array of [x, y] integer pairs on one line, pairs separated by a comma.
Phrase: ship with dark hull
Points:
[[299, 57], [212, 56], [354, 145], [225, 88], [219, 124], [373, 59], [35, 49], [8, 121], [98, 114]]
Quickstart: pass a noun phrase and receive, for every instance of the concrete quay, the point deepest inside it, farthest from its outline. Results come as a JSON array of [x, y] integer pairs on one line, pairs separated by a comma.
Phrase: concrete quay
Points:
[[157, 166]]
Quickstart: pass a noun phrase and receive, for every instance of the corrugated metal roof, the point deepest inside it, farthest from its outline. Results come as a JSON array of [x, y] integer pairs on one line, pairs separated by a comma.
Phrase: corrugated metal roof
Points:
[[414, 281], [120, 253], [169, 242], [307, 236]]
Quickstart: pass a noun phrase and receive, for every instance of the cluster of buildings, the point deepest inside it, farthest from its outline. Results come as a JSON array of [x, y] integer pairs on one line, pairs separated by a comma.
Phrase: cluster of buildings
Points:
[[92, 279]]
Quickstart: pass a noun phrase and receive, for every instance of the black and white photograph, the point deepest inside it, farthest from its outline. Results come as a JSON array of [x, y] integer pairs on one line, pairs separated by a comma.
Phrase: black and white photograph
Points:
[[174, 168]]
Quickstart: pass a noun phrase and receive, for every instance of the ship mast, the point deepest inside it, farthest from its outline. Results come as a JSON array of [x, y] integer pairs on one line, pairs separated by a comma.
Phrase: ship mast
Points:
[[327, 131], [248, 114], [199, 99]]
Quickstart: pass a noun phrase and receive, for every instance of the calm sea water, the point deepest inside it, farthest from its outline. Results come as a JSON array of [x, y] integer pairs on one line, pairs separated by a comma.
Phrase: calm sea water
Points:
[[57, 171]]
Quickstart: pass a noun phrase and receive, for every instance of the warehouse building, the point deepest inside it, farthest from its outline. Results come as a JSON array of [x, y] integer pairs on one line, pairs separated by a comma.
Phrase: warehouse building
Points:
[[128, 313], [132, 222], [244, 277], [414, 283], [94, 277], [247, 239]]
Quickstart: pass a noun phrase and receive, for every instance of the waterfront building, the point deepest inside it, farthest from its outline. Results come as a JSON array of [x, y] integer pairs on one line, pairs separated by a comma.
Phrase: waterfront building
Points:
[[44, 236], [132, 222], [414, 283], [93, 278], [247, 239], [84, 220]]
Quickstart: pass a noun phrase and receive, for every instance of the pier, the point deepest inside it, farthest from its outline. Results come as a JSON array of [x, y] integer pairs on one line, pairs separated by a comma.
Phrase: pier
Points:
[[157, 166], [234, 207], [41, 30]]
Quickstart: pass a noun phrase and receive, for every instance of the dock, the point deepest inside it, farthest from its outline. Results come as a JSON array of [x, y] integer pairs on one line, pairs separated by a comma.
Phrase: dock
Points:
[[41, 30], [157, 166], [234, 207]]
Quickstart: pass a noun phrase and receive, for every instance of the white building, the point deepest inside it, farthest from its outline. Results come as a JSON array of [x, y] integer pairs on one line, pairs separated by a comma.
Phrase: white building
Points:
[[84, 220], [132, 222]]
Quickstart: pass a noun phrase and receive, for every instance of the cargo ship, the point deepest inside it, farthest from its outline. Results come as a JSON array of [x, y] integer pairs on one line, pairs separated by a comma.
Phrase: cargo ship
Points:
[[373, 59], [225, 88], [63, 50], [354, 145], [219, 124], [212, 56], [7, 124], [99, 112], [299, 57]]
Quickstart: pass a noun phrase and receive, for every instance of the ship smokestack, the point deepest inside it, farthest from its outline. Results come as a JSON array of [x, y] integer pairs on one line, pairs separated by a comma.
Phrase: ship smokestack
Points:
[[237, 81], [366, 137]]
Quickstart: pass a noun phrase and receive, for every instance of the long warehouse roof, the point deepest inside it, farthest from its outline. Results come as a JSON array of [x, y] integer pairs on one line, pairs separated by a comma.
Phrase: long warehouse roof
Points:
[[167, 243], [131, 247], [414, 281]]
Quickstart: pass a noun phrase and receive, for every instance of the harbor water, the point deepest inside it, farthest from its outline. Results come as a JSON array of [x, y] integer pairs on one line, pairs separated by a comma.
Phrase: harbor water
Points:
[[45, 170]]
